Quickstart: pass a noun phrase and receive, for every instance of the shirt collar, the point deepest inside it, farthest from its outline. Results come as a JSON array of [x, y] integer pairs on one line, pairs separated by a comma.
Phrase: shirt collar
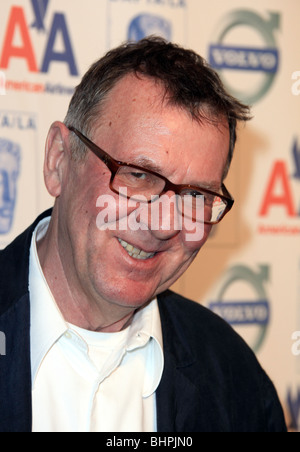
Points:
[[144, 334], [146, 329], [48, 324]]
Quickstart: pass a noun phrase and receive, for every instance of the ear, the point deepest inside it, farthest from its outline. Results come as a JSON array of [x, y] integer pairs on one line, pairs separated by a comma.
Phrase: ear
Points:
[[56, 158]]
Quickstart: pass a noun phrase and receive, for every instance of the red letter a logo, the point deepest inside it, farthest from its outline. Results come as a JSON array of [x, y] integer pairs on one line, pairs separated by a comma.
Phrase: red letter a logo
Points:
[[10, 50], [279, 191]]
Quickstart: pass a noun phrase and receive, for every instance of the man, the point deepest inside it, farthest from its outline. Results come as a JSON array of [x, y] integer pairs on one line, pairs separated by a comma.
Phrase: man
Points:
[[95, 341]]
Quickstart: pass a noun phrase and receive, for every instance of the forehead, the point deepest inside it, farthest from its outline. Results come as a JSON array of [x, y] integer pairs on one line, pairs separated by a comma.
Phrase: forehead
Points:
[[137, 121], [131, 98]]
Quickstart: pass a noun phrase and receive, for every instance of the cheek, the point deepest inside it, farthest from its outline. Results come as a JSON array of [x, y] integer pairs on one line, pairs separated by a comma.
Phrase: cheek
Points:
[[195, 235], [112, 212], [183, 256], [83, 189]]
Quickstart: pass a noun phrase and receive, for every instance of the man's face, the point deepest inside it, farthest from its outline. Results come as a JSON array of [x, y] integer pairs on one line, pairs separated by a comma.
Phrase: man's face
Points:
[[138, 128]]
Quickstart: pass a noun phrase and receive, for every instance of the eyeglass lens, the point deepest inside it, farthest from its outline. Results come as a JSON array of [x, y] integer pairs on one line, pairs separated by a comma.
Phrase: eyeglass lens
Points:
[[143, 186]]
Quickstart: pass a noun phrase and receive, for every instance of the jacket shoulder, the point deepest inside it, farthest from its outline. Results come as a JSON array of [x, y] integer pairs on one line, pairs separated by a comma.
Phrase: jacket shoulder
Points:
[[223, 363], [14, 264], [200, 323], [208, 337]]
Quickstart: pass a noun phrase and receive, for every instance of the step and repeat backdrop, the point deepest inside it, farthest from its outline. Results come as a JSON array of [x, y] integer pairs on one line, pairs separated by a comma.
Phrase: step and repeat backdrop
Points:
[[249, 272]]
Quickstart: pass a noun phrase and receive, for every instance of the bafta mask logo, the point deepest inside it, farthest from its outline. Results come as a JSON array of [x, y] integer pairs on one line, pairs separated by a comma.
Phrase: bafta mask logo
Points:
[[10, 156]]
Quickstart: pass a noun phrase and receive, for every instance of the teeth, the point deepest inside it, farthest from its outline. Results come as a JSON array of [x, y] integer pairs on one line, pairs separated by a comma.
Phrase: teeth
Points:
[[136, 253]]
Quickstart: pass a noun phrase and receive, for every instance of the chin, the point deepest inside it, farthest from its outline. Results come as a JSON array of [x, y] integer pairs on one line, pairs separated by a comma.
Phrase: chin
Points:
[[131, 295]]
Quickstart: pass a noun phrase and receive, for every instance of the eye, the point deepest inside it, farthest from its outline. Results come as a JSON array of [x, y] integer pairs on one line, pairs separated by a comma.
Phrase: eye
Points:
[[194, 193], [138, 175]]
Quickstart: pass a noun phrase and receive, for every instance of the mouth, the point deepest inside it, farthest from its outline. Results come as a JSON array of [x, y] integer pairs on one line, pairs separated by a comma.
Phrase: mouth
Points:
[[134, 252]]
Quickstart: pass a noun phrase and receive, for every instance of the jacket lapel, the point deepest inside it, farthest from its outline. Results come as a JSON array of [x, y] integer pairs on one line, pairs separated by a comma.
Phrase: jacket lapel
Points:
[[190, 396], [176, 398], [176, 394]]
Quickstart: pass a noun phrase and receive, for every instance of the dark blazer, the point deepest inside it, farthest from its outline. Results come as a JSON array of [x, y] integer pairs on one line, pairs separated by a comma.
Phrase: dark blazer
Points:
[[211, 382]]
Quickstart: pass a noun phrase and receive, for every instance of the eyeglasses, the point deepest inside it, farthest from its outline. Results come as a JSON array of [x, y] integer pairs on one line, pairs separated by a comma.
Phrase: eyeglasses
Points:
[[144, 185]]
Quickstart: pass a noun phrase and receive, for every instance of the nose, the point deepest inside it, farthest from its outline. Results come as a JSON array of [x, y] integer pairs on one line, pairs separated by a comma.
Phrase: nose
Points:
[[162, 217]]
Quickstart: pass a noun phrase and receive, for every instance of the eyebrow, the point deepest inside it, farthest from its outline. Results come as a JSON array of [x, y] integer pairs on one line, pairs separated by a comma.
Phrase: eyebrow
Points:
[[213, 185], [148, 163]]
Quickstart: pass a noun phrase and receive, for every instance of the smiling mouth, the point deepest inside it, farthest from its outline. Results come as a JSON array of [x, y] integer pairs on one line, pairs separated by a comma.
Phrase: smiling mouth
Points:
[[134, 252]]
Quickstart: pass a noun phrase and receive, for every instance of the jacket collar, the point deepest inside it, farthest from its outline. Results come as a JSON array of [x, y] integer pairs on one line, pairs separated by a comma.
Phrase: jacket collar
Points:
[[174, 335], [14, 264], [177, 393]]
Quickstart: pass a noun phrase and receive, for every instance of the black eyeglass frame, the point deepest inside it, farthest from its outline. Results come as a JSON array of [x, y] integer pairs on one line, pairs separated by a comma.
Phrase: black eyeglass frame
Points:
[[114, 165]]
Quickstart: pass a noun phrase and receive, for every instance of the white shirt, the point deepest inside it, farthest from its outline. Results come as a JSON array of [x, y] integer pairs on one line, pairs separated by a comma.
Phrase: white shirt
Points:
[[84, 381]]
